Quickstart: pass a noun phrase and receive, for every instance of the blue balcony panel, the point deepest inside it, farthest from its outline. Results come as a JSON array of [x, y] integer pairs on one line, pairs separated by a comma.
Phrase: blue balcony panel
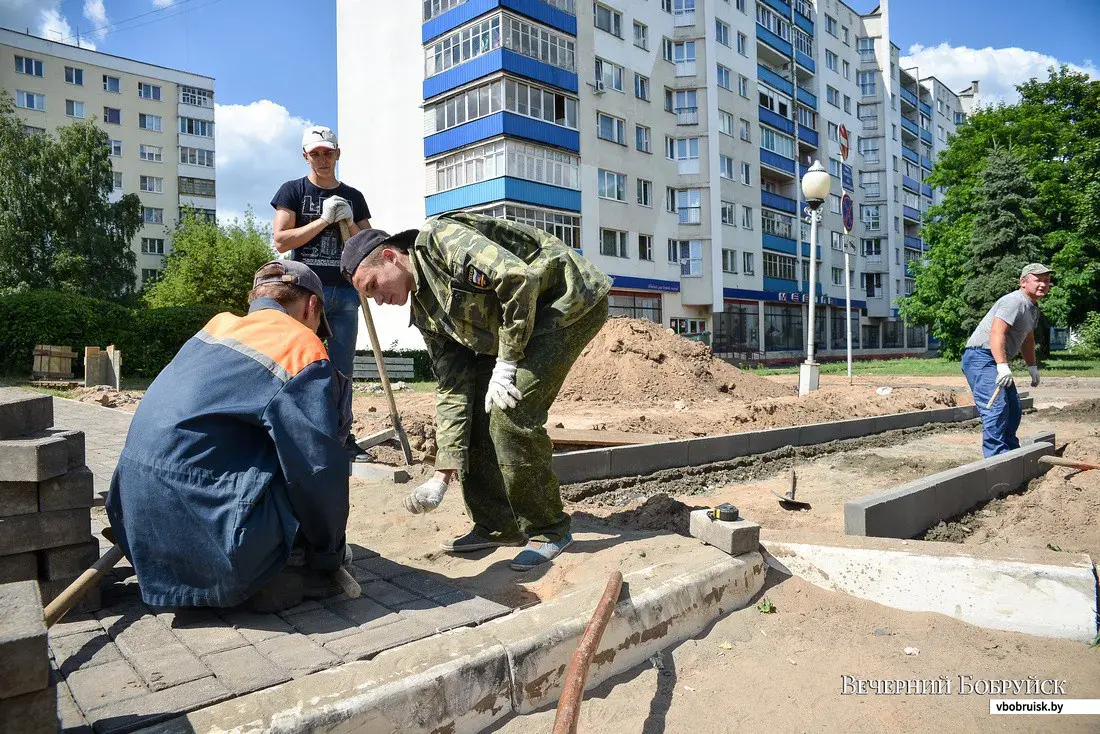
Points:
[[782, 285], [910, 183], [926, 136], [467, 11], [805, 61], [807, 136], [807, 98], [910, 213], [781, 7], [926, 108], [926, 190], [925, 162], [774, 81], [912, 242], [908, 96], [776, 161], [909, 125], [802, 171], [645, 284], [773, 40], [910, 155], [803, 22], [777, 121], [495, 61], [502, 123], [775, 243], [498, 189], [775, 201]]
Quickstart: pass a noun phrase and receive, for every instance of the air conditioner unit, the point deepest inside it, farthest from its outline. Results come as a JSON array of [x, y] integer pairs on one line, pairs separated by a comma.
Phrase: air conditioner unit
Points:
[[598, 86]]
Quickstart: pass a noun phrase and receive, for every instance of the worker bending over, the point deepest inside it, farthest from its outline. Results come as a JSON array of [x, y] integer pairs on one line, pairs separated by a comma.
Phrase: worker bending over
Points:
[[505, 310], [236, 452], [1008, 329]]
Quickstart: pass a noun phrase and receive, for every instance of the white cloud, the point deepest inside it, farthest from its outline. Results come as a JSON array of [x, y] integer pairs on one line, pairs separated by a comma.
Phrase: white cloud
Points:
[[163, 3], [998, 70], [41, 18], [96, 15]]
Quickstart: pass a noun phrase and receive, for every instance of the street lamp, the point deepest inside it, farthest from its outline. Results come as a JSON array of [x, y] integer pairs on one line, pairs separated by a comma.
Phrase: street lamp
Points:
[[816, 185]]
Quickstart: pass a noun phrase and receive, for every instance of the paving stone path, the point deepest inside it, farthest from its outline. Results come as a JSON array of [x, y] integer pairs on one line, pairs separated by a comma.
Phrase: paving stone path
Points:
[[129, 665]]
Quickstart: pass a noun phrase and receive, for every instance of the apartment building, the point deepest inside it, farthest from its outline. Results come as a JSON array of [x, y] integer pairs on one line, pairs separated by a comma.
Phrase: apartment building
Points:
[[160, 122], [666, 140]]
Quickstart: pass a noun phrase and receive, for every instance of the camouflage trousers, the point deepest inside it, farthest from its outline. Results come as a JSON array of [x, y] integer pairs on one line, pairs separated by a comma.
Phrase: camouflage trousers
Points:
[[509, 486]]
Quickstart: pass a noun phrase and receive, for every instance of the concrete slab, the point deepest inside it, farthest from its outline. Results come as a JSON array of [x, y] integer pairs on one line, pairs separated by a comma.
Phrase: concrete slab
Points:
[[732, 537], [1033, 591], [646, 458], [33, 459]]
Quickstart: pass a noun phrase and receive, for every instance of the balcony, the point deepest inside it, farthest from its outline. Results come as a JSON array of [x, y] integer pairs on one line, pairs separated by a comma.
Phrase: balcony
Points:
[[776, 161], [807, 136], [926, 109], [869, 123], [687, 167], [687, 115], [907, 96], [777, 121], [685, 68], [763, 34], [910, 213], [774, 81], [910, 126], [925, 162], [808, 98], [775, 201], [913, 243], [867, 58], [802, 17], [805, 61], [684, 18], [910, 155], [780, 6], [910, 183], [690, 214], [926, 190], [926, 136]]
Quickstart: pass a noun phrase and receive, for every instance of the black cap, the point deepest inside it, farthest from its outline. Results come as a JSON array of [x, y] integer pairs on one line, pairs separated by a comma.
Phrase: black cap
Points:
[[366, 241], [299, 274]]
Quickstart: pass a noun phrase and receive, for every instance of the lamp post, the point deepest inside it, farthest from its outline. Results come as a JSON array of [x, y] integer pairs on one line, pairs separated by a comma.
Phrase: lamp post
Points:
[[815, 187]]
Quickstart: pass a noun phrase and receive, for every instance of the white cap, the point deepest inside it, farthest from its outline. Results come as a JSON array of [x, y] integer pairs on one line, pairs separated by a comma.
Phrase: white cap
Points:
[[319, 136]]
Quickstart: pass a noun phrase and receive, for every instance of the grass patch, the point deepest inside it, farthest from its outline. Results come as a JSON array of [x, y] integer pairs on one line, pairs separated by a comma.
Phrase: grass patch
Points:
[[1064, 364], [426, 386]]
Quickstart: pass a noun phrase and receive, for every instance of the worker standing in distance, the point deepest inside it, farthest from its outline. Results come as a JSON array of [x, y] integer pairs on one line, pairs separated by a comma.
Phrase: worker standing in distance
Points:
[[505, 310], [1008, 329]]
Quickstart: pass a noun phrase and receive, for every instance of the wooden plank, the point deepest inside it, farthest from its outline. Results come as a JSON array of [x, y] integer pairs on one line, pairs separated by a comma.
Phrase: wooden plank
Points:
[[588, 437]]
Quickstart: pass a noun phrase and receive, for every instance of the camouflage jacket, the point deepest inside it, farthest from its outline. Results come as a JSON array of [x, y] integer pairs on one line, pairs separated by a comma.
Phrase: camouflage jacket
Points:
[[489, 283]]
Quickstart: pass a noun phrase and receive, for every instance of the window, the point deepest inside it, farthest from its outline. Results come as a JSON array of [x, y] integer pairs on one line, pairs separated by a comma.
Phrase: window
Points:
[[28, 66], [635, 306], [844, 35], [519, 97], [153, 153], [202, 215], [112, 84], [475, 40], [201, 128], [807, 117], [435, 8], [775, 223], [196, 157], [746, 173], [941, 133], [563, 225], [872, 249], [689, 253], [149, 91], [611, 185], [830, 25], [666, 50], [608, 20], [869, 215], [741, 5], [776, 142], [895, 131], [74, 75], [115, 147], [641, 35], [645, 193], [729, 213], [872, 284], [803, 42], [832, 96], [866, 49], [831, 60], [512, 158], [847, 104], [670, 199], [30, 100], [151, 184], [196, 97], [610, 128], [645, 247], [684, 12], [643, 138], [868, 148], [641, 86], [683, 55], [725, 167], [610, 74], [742, 42], [745, 130], [116, 180], [834, 203], [846, 69], [870, 182], [725, 123], [838, 279], [836, 241], [613, 242], [834, 168], [190, 186], [773, 22], [722, 32], [149, 122], [779, 266], [689, 206], [724, 78], [746, 223], [729, 261], [774, 101], [74, 109], [152, 246], [834, 132], [748, 266], [868, 85], [686, 107], [149, 276], [742, 86], [151, 215]]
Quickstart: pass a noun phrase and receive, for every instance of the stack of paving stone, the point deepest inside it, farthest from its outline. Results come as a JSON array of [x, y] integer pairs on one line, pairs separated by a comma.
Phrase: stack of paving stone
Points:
[[46, 494], [28, 695]]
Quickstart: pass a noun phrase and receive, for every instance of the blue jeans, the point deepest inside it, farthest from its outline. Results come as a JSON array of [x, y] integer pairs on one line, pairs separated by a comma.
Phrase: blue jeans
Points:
[[342, 310], [999, 423]]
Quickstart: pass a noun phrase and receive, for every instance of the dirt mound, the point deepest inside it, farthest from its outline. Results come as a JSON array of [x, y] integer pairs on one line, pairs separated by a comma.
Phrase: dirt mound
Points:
[[659, 512], [1086, 410], [108, 397], [636, 360]]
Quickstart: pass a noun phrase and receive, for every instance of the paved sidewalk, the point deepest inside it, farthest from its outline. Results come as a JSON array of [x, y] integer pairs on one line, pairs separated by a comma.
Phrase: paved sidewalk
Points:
[[104, 435]]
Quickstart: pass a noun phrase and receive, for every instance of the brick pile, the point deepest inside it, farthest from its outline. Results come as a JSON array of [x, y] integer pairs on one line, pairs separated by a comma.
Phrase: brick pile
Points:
[[28, 694], [46, 493]]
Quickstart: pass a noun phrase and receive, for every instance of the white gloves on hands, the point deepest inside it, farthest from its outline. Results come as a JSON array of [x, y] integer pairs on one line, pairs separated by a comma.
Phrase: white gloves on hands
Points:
[[426, 497], [335, 208], [1004, 376], [502, 390], [1034, 370]]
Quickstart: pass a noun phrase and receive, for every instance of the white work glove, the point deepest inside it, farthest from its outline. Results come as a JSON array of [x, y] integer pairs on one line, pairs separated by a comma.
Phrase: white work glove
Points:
[[335, 208], [502, 390], [1004, 376], [1034, 370], [426, 497]]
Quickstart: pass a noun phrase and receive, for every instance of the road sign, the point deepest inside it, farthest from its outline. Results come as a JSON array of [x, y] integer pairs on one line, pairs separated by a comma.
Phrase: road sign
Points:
[[847, 213], [846, 181], [843, 143]]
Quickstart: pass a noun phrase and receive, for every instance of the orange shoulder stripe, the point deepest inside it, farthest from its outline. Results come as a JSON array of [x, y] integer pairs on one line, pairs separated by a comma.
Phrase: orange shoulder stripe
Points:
[[275, 335]]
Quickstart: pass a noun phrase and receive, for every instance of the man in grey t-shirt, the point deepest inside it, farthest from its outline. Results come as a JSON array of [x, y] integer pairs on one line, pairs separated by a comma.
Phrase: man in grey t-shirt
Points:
[[1007, 330]]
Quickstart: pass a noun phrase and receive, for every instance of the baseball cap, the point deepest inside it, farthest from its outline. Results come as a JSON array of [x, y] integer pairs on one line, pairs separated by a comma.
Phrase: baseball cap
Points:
[[1034, 269], [319, 136], [366, 241], [299, 274]]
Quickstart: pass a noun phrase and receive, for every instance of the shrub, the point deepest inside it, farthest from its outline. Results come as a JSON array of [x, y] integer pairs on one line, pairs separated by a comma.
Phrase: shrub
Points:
[[1089, 333]]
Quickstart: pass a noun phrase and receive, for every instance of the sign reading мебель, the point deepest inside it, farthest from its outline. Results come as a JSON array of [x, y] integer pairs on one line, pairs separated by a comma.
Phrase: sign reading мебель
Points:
[[967, 685]]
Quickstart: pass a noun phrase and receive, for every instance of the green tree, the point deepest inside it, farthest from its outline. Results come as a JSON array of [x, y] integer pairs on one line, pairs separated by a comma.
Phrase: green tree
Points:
[[212, 264], [58, 229]]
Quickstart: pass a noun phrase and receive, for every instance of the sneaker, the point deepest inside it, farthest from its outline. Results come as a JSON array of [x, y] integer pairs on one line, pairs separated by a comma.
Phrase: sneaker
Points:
[[537, 553], [471, 542]]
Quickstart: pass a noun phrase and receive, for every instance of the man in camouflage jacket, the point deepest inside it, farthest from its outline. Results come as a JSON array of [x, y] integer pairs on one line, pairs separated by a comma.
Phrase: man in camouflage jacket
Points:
[[505, 310]]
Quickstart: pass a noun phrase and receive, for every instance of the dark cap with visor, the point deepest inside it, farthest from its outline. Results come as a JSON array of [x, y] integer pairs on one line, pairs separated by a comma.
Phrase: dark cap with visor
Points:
[[299, 274]]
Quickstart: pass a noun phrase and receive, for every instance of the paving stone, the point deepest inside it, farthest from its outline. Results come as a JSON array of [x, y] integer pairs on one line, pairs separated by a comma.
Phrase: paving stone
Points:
[[387, 594], [20, 567], [383, 568], [144, 711], [306, 606], [69, 716], [83, 650], [322, 625], [68, 561], [257, 627], [297, 654], [75, 623], [423, 585], [74, 443], [30, 713], [245, 670], [33, 459], [68, 491], [168, 666], [361, 553], [23, 412], [735, 538], [26, 665], [362, 575], [18, 498], [365, 612], [105, 684], [368, 643], [142, 635], [460, 609], [23, 533], [205, 638]]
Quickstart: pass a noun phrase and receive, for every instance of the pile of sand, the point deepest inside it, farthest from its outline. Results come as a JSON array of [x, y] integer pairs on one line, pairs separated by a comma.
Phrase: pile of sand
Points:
[[108, 397], [638, 361]]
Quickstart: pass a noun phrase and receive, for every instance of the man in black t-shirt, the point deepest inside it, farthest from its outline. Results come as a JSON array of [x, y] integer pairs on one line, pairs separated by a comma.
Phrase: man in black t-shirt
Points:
[[308, 211]]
